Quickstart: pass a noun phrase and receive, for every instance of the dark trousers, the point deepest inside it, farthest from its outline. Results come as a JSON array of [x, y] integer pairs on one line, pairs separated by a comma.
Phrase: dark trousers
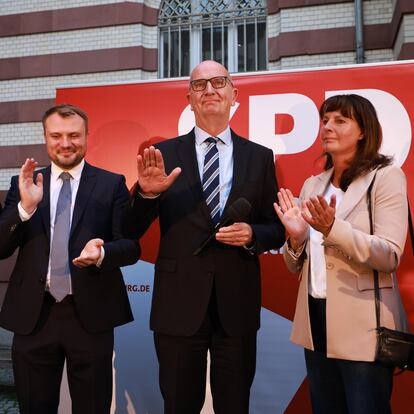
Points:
[[340, 386], [38, 361], [183, 364]]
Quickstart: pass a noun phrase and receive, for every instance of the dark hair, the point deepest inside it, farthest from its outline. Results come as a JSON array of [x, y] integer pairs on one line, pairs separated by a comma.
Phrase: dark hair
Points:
[[65, 110], [367, 156]]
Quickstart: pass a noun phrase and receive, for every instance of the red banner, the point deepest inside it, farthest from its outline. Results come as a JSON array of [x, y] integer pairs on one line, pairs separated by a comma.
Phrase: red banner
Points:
[[279, 110]]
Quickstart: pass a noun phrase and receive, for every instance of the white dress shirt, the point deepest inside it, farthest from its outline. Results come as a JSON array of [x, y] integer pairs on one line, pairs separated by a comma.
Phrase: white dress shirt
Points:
[[317, 280]]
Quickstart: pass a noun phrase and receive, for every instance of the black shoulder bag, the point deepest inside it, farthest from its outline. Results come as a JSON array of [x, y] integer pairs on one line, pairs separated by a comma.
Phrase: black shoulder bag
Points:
[[394, 348]]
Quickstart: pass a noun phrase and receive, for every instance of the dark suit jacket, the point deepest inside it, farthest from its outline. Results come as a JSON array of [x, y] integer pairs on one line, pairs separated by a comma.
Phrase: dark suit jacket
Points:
[[183, 282], [99, 293]]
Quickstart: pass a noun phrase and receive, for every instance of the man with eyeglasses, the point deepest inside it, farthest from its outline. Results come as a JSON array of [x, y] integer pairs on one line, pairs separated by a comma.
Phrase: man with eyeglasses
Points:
[[207, 295]]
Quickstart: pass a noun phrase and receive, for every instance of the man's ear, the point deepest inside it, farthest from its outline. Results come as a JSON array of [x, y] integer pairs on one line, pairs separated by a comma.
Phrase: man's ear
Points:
[[189, 101], [235, 95]]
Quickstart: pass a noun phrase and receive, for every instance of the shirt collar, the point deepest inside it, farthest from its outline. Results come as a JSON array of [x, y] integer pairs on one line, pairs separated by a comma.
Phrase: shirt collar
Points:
[[201, 135], [75, 172]]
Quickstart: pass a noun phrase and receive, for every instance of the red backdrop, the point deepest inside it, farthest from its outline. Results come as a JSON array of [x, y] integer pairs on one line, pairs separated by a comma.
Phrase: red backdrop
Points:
[[126, 118]]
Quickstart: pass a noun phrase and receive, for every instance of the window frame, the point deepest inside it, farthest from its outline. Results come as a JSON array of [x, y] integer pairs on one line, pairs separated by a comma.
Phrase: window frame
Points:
[[229, 18]]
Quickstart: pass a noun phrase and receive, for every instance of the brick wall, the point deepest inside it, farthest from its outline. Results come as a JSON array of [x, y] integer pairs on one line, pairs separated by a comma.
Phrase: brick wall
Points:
[[24, 6], [21, 134], [5, 174], [306, 35], [48, 44], [79, 40], [45, 87]]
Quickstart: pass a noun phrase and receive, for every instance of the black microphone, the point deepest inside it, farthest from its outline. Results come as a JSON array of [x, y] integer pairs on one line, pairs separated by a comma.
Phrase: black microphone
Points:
[[237, 212]]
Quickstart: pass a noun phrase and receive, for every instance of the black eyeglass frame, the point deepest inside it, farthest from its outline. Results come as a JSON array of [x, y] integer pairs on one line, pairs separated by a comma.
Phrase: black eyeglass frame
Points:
[[211, 80]]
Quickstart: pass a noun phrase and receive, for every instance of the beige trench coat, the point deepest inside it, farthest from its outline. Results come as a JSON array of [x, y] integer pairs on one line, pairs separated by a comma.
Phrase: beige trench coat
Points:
[[351, 253]]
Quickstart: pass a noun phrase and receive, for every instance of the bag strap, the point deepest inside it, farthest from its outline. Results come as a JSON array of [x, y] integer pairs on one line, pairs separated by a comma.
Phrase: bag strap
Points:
[[410, 225], [371, 231]]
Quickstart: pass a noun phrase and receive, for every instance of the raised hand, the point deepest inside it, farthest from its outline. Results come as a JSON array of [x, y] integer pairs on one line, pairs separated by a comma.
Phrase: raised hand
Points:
[[319, 214], [152, 178], [90, 254], [291, 217], [31, 191]]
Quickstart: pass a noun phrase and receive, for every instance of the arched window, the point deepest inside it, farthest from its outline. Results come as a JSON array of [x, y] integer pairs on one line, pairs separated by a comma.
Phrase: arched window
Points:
[[232, 32]]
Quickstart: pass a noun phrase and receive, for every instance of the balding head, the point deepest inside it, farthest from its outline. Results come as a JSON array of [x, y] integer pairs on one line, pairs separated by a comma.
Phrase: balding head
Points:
[[206, 67], [211, 105]]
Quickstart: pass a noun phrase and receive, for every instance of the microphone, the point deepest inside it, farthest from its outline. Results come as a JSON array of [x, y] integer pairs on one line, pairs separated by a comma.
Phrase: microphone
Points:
[[238, 211]]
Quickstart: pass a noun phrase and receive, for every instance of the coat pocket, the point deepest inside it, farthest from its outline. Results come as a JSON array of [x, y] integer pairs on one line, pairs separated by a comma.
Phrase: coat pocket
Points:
[[365, 281]]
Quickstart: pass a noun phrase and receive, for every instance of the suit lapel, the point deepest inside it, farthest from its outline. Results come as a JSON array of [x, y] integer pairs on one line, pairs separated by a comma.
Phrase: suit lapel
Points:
[[187, 157], [353, 195], [44, 205], [320, 183], [240, 163], [86, 185]]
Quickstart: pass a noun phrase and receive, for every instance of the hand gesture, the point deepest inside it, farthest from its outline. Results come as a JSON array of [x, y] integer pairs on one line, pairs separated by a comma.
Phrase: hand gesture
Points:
[[31, 192], [238, 234], [291, 217], [90, 254], [152, 178], [319, 214]]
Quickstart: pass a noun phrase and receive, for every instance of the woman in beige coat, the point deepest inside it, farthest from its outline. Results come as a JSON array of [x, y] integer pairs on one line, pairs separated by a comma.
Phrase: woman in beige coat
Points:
[[331, 248]]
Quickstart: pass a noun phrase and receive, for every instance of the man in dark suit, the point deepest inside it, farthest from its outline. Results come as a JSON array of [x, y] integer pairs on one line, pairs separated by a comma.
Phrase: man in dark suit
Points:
[[66, 291], [208, 300]]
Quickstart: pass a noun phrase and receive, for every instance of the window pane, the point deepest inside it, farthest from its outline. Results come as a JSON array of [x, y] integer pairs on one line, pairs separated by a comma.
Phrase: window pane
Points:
[[206, 44], [261, 33], [165, 54], [251, 43], [248, 52], [220, 42], [185, 52], [175, 50], [240, 48]]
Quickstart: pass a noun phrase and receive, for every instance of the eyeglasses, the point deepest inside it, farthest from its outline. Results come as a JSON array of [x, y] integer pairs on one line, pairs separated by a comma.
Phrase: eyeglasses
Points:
[[217, 82]]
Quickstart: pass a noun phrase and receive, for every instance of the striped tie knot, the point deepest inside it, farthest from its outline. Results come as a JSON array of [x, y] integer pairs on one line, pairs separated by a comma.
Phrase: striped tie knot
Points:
[[211, 140]]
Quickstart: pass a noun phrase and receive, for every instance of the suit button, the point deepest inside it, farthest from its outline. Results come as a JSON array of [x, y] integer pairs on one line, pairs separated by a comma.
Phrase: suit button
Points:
[[42, 280], [13, 228], [330, 266]]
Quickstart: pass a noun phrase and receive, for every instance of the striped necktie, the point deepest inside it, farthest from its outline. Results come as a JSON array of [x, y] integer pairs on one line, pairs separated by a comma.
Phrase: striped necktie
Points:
[[59, 255], [211, 180]]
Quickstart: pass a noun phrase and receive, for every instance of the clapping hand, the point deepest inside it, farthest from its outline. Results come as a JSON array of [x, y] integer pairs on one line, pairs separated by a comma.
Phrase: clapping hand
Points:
[[31, 191], [319, 214], [291, 217], [152, 178]]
